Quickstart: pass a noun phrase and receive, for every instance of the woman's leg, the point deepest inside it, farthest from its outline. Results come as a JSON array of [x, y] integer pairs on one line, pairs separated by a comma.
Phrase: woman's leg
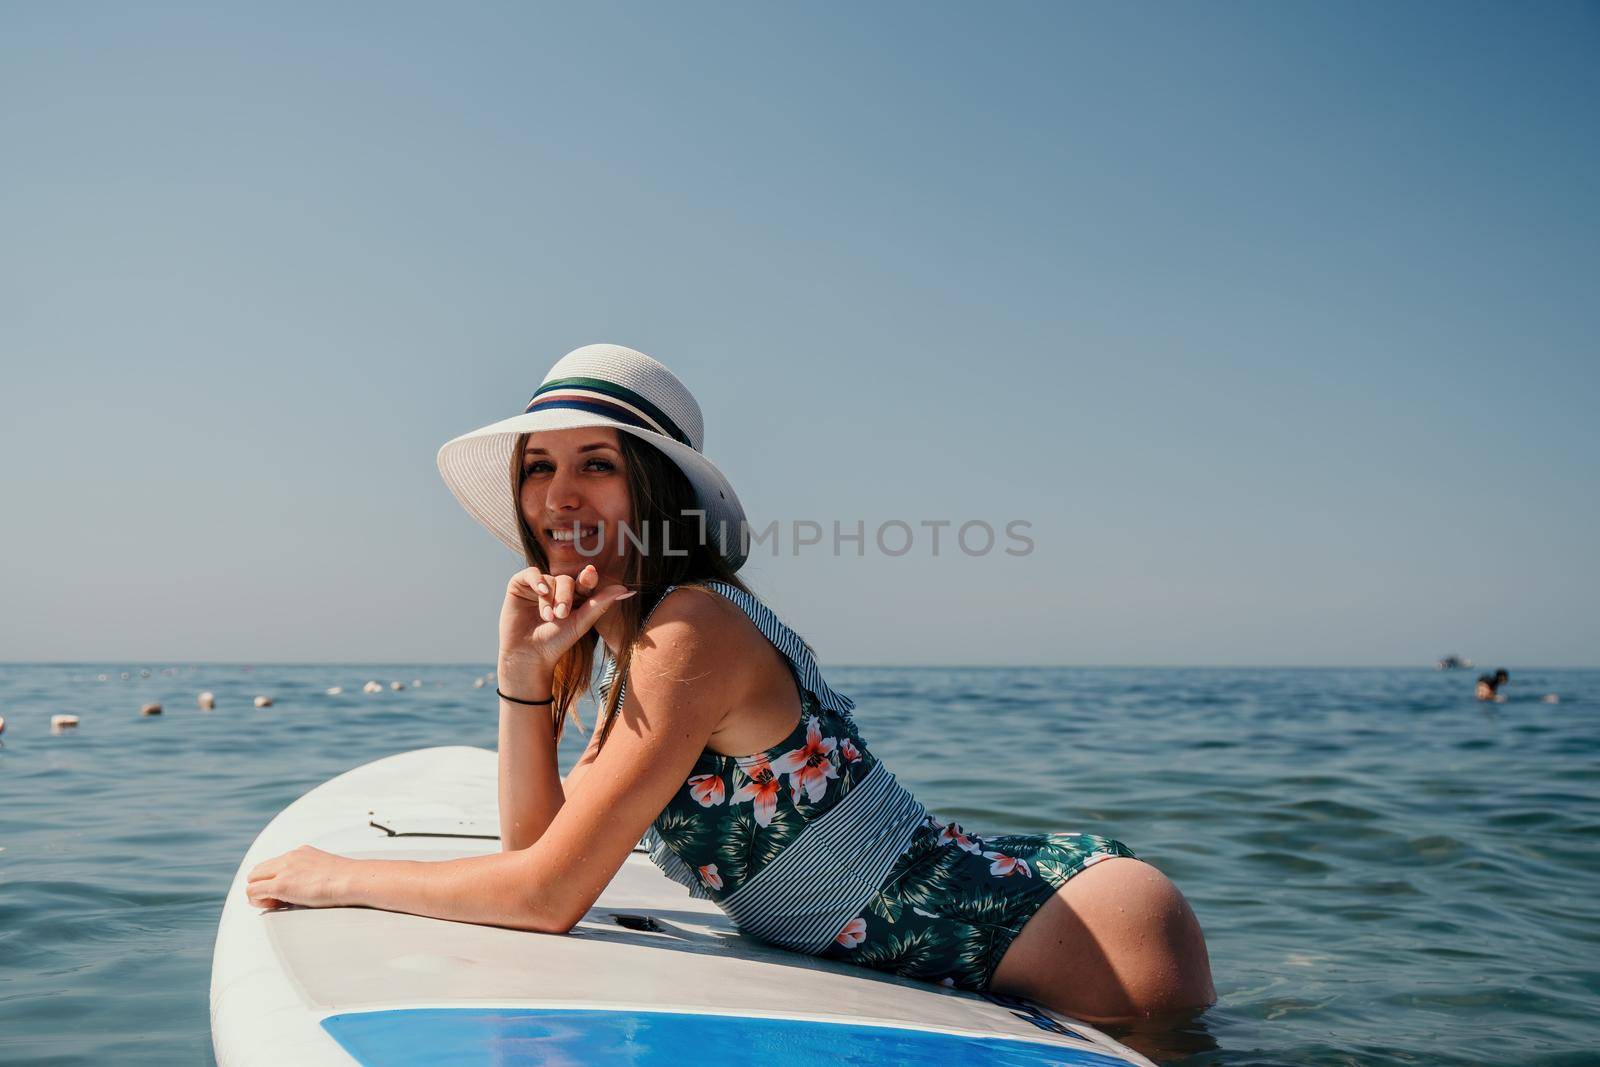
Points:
[[1116, 941]]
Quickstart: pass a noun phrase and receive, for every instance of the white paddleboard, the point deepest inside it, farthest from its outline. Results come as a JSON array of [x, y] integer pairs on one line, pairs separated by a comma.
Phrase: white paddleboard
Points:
[[650, 976]]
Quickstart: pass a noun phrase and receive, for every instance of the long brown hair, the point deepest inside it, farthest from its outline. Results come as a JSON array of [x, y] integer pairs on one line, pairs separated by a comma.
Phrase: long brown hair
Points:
[[663, 501]]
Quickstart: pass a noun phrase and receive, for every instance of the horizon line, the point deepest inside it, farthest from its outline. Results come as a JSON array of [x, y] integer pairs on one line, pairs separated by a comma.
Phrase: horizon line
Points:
[[470, 665]]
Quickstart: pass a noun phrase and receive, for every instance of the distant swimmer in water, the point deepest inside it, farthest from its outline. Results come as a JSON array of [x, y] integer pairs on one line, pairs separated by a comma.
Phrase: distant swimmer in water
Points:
[[1489, 685]]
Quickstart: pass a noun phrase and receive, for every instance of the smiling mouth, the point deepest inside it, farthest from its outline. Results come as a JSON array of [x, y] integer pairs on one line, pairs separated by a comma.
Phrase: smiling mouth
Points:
[[565, 535]]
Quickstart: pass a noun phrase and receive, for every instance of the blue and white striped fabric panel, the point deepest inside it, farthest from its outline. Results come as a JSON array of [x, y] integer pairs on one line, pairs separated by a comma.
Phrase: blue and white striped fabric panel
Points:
[[822, 879]]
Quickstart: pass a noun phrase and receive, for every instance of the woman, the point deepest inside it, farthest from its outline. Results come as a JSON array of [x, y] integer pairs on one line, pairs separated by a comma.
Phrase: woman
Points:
[[719, 737], [1488, 688]]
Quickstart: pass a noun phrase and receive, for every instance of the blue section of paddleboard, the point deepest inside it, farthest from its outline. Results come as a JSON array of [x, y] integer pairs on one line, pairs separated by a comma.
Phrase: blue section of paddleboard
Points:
[[510, 1036]]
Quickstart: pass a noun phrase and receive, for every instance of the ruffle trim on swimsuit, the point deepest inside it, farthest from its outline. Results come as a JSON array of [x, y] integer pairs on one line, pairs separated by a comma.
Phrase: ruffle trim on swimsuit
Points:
[[672, 866]]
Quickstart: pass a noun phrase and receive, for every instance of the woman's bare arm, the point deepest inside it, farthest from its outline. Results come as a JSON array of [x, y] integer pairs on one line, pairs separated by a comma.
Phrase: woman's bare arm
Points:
[[532, 640], [530, 788], [676, 698]]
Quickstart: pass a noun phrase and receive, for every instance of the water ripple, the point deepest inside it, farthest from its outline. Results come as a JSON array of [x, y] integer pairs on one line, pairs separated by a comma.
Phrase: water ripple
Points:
[[1387, 872]]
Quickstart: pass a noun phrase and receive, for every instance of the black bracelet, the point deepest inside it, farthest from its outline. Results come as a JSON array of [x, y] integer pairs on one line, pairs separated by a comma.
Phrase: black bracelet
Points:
[[529, 703]]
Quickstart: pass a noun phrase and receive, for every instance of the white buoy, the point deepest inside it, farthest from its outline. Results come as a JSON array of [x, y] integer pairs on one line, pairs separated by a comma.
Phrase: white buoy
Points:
[[101, 677], [334, 690], [416, 683], [149, 709], [372, 687], [63, 722], [397, 686], [126, 676], [207, 701], [2, 724], [144, 672], [477, 683], [263, 702], [1550, 698]]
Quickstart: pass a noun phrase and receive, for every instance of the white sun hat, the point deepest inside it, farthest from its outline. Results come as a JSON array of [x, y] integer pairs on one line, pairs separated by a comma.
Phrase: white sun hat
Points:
[[596, 385]]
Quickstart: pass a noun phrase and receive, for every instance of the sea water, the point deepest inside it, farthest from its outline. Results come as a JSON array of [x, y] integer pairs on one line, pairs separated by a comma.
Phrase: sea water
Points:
[[1387, 871]]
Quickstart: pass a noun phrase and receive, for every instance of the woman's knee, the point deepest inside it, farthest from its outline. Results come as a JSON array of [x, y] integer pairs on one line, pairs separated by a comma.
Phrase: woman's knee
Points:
[[1165, 965], [1125, 943]]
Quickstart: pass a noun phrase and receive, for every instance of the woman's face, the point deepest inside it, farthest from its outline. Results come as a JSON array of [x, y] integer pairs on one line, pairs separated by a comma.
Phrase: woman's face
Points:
[[577, 478]]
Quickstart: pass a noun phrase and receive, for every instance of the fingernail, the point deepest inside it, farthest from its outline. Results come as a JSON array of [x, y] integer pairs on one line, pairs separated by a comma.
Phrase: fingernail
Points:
[[561, 611], [625, 596], [543, 588]]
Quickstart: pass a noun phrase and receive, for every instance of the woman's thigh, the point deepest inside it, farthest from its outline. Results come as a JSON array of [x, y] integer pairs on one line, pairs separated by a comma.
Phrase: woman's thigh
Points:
[[1117, 940]]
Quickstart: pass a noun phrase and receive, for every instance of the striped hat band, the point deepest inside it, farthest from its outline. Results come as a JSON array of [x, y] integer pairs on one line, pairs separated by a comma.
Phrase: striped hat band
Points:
[[601, 397]]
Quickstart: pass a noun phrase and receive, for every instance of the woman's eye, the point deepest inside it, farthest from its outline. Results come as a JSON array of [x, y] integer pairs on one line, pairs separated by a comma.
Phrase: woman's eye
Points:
[[543, 466]]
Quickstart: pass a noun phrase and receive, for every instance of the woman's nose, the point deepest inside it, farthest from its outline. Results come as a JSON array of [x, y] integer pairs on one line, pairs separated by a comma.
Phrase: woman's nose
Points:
[[562, 492]]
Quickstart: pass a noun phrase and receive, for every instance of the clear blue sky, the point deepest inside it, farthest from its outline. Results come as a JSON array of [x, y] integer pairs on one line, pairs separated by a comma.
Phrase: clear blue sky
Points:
[[1276, 320]]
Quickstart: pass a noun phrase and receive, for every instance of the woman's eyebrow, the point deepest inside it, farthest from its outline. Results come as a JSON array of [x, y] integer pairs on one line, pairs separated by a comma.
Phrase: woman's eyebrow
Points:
[[530, 450]]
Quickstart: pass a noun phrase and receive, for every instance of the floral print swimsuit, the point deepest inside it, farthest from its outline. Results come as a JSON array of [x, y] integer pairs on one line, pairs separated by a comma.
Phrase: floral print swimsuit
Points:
[[951, 903]]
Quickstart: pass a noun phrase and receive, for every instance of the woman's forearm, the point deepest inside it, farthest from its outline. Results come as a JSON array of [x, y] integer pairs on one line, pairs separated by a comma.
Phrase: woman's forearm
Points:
[[494, 890], [530, 786]]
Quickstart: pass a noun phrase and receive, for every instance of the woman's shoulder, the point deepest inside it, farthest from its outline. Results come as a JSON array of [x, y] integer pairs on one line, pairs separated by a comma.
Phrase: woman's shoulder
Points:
[[704, 639], [694, 606], [695, 622]]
